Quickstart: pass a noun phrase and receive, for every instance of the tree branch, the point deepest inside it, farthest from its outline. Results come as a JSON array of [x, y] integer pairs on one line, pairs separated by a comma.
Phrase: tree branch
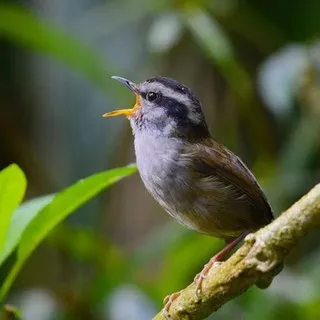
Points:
[[258, 261]]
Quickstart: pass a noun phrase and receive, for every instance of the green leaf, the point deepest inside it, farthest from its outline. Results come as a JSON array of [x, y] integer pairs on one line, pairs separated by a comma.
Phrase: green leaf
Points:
[[20, 25], [12, 188], [63, 204], [20, 220]]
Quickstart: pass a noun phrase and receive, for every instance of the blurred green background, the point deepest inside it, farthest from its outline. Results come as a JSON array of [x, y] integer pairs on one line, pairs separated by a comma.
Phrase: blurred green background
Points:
[[255, 66]]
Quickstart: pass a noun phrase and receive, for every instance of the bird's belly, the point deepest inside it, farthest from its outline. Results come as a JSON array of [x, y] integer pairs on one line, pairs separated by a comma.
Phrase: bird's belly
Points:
[[164, 179], [173, 201], [176, 192]]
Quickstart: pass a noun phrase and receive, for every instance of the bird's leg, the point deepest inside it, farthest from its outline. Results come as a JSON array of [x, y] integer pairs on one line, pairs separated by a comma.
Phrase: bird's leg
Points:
[[168, 302], [214, 260]]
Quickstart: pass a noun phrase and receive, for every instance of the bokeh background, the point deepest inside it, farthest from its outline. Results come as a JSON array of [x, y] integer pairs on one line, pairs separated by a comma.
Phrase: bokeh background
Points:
[[255, 66]]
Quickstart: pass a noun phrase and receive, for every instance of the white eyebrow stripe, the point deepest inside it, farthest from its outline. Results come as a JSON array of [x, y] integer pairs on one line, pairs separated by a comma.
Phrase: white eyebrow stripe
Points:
[[196, 117], [156, 86]]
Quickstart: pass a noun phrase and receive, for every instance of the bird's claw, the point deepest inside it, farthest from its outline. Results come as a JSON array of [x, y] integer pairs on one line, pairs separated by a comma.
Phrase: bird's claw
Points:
[[198, 279], [167, 301]]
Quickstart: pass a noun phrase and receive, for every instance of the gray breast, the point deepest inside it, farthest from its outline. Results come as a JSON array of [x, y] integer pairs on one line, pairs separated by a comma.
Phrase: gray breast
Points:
[[169, 181], [158, 164]]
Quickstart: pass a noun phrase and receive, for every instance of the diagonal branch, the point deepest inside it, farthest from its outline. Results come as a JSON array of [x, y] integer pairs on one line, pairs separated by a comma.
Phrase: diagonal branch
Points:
[[258, 261]]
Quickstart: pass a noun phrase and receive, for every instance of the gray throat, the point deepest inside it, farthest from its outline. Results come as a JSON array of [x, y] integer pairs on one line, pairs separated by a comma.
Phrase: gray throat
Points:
[[156, 156]]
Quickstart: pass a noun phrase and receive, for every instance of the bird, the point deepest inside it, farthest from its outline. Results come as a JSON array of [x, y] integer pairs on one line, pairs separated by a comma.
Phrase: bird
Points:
[[197, 180]]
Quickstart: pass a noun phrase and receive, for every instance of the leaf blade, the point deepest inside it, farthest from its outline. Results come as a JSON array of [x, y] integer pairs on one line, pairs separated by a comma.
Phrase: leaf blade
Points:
[[12, 189], [50, 215], [19, 222], [38, 35]]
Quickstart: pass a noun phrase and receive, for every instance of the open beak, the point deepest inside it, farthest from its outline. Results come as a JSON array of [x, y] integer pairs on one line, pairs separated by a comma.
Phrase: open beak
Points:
[[126, 112]]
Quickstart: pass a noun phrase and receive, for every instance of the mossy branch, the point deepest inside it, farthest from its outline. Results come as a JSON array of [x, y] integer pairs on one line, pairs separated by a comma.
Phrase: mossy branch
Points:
[[258, 261]]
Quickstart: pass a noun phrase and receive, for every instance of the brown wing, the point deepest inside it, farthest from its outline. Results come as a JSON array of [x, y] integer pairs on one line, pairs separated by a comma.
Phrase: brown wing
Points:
[[213, 159]]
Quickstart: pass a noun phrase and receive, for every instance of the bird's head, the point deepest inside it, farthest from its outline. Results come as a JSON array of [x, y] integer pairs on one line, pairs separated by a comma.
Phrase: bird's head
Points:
[[164, 107]]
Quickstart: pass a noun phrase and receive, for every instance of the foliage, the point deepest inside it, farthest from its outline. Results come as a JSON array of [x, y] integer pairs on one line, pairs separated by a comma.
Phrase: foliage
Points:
[[32, 222], [254, 64]]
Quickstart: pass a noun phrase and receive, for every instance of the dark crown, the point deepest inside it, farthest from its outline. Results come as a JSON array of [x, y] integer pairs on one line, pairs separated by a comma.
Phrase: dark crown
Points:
[[176, 86]]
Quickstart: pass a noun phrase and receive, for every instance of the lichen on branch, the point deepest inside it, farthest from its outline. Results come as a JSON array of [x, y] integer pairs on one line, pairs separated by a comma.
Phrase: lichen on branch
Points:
[[257, 262]]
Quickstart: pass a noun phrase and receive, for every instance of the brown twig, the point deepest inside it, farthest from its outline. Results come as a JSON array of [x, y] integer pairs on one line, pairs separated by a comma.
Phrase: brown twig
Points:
[[258, 261]]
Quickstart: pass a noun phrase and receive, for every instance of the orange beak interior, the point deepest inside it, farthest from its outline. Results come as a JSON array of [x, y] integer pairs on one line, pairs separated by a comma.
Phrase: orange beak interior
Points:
[[125, 112]]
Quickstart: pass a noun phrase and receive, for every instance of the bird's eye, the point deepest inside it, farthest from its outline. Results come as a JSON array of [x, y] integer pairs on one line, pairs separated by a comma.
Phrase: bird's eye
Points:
[[151, 96]]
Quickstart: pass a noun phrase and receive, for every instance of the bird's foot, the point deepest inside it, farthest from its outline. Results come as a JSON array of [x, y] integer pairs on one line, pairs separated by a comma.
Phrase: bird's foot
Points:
[[168, 300], [215, 261], [198, 279]]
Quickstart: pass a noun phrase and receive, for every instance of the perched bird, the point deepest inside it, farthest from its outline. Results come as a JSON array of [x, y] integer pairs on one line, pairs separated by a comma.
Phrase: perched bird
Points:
[[198, 181]]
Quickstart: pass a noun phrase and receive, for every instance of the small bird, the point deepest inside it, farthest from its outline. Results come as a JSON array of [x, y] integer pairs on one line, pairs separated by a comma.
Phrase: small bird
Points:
[[198, 181]]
